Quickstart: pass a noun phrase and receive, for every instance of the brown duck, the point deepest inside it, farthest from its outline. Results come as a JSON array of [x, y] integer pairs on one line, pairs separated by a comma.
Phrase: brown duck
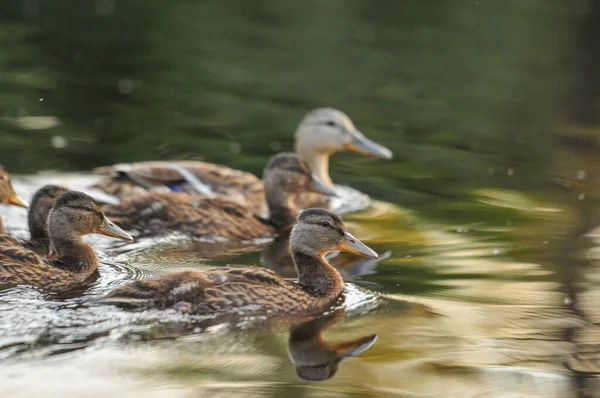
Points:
[[8, 194], [37, 218], [321, 133], [73, 215], [285, 177], [254, 289]]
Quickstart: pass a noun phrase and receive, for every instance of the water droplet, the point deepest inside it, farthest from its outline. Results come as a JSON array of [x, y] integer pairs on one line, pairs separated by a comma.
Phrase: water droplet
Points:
[[408, 255], [581, 196], [59, 142], [581, 174], [496, 251], [568, 301], [41, 100], [125, 86], [546, 242], [510, 172]]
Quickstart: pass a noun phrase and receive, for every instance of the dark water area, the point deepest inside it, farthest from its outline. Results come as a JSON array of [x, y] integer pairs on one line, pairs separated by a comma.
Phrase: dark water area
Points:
[[485, 220]]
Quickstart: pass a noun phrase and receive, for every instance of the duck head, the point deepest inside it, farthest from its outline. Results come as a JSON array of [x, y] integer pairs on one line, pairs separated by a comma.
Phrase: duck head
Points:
[[41, 204], [325, 131], [318, 232], [75, 214]]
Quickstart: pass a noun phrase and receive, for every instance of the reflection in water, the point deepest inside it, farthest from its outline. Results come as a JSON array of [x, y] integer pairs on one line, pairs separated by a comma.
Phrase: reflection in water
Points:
[[313, 357]]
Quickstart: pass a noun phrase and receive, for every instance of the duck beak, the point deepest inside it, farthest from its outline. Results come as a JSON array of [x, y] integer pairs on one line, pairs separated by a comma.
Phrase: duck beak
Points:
[[365, 146], [14, 199], [353, 348], [352, 245], [110, 229], [319, 186]]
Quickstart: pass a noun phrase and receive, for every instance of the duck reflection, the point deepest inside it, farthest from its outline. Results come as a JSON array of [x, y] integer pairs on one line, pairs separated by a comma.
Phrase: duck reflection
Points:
[[277, 257], [316, 359]]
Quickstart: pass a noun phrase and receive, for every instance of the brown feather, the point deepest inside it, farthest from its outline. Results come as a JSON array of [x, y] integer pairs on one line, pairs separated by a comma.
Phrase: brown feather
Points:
[[220, 290], [195, 215], [128, 180]]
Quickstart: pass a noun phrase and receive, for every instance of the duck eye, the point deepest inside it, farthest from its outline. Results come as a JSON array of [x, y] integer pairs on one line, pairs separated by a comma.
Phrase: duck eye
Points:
[[88, 208], [325, 223], [330, 123]]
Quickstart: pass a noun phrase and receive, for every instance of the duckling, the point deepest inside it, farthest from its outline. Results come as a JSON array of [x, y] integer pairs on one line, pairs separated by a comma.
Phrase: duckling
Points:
[[8, 194], [315, 359], [285, 176], [37, 218], [321, 133], [73, 215], [233, 288]]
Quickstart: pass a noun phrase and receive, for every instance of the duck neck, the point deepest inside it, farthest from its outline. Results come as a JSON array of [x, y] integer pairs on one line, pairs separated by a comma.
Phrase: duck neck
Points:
[[74, 255], [318, 162], [316, 276], [282, 211], [38, 232]]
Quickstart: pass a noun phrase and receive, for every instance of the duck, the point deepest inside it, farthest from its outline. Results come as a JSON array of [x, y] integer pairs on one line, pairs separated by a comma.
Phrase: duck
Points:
[[277, 256], [314, 358], [321, 133], [7, 194], [254, 289], [37, 218], [73, 215], [221, 219]]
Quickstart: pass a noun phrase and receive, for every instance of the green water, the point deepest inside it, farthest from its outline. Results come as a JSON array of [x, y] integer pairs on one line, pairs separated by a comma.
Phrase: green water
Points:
[[485, 219]]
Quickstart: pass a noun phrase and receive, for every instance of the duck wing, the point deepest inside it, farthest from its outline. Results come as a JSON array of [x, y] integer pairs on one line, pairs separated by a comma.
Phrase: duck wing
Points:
[[195, 215], [194, 177], [20, 265], [213, 291]]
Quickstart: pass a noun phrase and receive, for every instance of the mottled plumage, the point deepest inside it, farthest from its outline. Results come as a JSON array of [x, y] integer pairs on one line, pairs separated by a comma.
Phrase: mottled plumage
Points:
[[255, 289], [132, 179], [73, 215], [212, 217], [37, 219], [321, 133]]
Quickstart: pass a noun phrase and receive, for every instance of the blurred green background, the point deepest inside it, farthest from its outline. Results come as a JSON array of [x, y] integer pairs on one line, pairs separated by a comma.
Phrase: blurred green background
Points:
[[465, 93]]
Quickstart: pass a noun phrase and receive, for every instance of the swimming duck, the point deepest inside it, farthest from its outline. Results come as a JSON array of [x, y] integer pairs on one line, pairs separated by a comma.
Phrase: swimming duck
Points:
[[219, 218], [321, 133], [231, 288], [37, 218], [73, 215], [8, 194], [314, 358]]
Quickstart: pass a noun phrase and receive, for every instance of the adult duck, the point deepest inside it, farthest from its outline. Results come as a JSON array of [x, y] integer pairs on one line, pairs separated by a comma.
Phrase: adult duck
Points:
[[219, 218], [37, 218], [8, 194], [254, 289], [321, 133], [73, 215]]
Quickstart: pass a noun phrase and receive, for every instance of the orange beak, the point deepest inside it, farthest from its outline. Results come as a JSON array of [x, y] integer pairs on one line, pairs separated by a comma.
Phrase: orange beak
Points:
[[14, 199], [352, 245], [110, 229]]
